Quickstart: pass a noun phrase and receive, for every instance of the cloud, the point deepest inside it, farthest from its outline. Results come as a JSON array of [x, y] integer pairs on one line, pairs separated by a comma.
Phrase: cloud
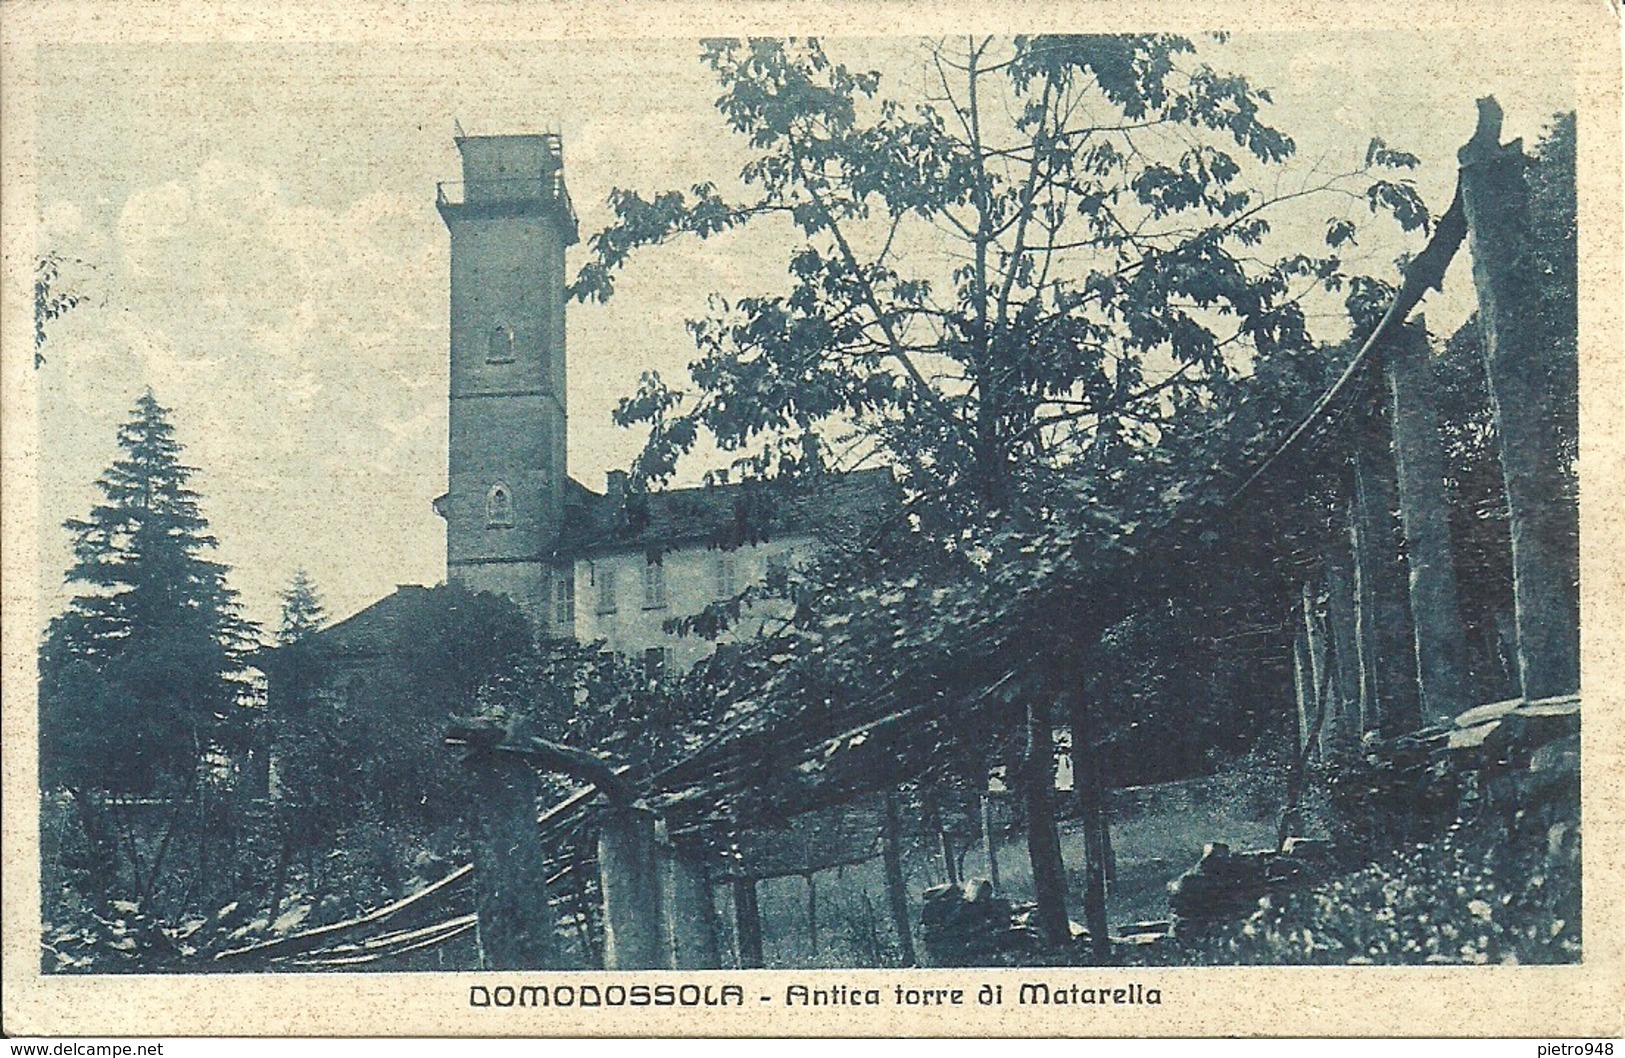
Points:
[[302, 347]]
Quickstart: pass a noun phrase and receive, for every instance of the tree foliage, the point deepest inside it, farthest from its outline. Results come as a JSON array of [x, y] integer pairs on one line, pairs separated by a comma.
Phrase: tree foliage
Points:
[[1042, 294], [141, 675], [1055, 247], [52, 299], [359, 724]]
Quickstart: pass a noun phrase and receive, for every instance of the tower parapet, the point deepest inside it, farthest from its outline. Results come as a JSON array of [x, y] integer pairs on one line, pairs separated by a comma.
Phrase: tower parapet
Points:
[[510, 174]]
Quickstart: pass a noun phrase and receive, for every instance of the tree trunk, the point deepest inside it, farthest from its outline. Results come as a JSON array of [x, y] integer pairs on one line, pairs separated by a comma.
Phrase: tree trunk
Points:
[[630, 882], [205, 890], [748, 924], [1383, 580], [932, 811], [1343, 734], [812, 913], [1303, 686], [103, 874], [1519, 341], [1089, 786], [896, 889], [1043, 839], [990, 843], [1441, 641], [510, 873], [1366, 718], [279, 878], [1314, 637]]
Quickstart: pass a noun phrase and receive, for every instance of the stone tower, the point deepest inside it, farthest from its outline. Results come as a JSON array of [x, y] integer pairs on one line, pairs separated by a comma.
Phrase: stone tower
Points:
[[510, 221]]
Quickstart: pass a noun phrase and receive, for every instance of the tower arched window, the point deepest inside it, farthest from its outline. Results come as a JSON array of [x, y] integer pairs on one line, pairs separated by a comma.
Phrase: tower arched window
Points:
[[499, 348], [499, 507]]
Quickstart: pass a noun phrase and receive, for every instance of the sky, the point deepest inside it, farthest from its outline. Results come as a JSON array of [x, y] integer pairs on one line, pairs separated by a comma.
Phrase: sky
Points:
[[259, 245]]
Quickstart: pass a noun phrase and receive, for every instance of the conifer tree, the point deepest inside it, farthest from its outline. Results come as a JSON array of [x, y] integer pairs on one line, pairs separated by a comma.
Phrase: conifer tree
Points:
[[139, 677], [302, 609], [298, 667]]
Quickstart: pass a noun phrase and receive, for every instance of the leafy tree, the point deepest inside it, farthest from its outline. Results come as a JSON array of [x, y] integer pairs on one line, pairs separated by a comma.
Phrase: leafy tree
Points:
[[1033, 294], [140, 676], [52, 300], [1061, 239]]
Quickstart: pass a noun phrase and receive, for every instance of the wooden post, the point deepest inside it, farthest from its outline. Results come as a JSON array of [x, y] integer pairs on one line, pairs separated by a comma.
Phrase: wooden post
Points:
[[690, 917], [1043, 839], [990, 843], [1391, 646], [1089, 787], [748, 924], [1519, 344], [629, 879], [510, 871], [1441, 641], [896, 889]]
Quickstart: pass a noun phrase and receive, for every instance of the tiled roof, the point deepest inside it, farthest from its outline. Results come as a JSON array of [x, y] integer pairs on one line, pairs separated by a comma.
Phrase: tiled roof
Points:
[[720, 515]]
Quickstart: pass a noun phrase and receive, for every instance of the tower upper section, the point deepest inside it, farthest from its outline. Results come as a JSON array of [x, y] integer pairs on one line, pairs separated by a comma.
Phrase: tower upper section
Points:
[[510, 175], [510, 221]]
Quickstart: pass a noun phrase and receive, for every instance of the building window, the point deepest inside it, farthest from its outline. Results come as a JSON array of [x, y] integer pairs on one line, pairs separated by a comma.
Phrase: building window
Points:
[[654, 583], [564, 598], [499, 507], [499, 346], [656, 663], [604, 578], [727, 582]]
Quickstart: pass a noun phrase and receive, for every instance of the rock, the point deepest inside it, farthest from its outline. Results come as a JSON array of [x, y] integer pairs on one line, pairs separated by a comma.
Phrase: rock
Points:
[[966, 925], [1225, 885]]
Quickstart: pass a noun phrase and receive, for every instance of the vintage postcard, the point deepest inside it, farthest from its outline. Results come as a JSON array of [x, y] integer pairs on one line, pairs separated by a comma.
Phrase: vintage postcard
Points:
[[534, 519]]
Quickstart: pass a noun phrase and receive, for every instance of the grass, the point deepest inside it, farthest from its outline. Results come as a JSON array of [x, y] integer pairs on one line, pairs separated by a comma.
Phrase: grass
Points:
[[1159, 834]]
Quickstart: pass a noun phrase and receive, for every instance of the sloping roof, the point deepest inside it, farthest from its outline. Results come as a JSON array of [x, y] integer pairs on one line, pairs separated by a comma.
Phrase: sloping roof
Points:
[[721, 515], [371, 631]]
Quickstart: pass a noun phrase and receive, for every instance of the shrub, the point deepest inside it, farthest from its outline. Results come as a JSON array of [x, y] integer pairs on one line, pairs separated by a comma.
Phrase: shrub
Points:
[[1467, 898]]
